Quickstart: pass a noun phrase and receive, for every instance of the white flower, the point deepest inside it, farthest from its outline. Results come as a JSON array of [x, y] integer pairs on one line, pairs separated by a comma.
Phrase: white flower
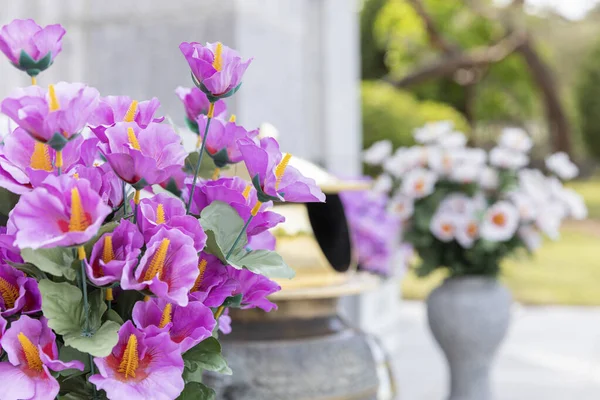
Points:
[[465, 173], [515, 139], [268, 130], [531, 237], [418, 183], [441, 161], [505, 158], [383, 184], [500, 222], [525, 204], [432, 131], [398, 164], [574, 203], [453, 140], [549, 219], [467, 231], [535, 184], [442, 226], [472, 156], [401, 206], [456, 203], [560, 164], [378, 152], [488, 178]]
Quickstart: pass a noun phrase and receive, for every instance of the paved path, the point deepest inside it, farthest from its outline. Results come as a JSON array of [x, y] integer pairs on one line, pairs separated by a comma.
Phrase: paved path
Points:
[[551, 353]]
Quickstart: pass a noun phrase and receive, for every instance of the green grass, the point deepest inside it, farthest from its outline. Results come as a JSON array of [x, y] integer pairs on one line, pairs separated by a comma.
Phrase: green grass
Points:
[[564, 272], [590, 190]]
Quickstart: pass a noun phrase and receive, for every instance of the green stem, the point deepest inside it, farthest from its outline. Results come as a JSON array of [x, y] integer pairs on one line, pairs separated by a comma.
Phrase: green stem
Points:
[[93, 372], [86, 306], [197, 169], [239, 236], [124, 198]]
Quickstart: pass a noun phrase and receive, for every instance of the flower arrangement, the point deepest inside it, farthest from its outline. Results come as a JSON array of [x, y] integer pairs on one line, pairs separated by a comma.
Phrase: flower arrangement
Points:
[[119, 258], [466, 209]]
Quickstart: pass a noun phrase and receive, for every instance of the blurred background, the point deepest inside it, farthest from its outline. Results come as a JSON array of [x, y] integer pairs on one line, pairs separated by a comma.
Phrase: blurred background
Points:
[[334, 76]]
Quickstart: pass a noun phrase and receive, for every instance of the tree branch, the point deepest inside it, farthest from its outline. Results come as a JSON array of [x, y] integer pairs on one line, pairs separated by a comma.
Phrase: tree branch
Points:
[[435, 37], [448, 66]]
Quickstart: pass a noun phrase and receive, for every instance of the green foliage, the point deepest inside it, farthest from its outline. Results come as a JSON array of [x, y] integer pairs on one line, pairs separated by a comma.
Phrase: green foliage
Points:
[[57, 261], [372, 54], [389, 113], [588, 98], [205, 356], [62, 304], [223, 225], [197, 391]]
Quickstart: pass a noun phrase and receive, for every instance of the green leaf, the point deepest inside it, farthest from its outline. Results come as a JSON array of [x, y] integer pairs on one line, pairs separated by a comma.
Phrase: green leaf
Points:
[[222, 225], [206, 168], [233, 301], [207, 355], [264, 262], [29, 269], [103, 229], [8, 200], [62, 304], [56, 261], [68, 353], [197, 391], [112, 315]]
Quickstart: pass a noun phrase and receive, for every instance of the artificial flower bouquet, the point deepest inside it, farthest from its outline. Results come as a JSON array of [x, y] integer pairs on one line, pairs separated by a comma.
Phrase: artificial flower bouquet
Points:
[[466, 209], [121, 253]]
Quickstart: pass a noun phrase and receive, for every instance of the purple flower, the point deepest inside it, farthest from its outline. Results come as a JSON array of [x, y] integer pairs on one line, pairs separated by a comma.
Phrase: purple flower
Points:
[[8, 252], [213, 285], [217, 69], [187, 325], [168, 268], [225, 322], [103, 181], [263, 241], [164, 210], [62, 110], [196, 103], [254, 288], [135, 154], [30, 47], [32, 161], [271, 175], [32, 352], [61, 212], [114, 109], [18, 293], [140, 367], [222, 141], [238, 194], [113, 251]]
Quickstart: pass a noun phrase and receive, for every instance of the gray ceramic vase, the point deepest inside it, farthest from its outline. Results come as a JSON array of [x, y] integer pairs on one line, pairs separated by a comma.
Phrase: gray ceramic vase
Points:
[[469, 317]]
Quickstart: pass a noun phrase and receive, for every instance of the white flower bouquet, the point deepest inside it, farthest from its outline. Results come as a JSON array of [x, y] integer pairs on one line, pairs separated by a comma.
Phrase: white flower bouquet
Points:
[[466, 209]]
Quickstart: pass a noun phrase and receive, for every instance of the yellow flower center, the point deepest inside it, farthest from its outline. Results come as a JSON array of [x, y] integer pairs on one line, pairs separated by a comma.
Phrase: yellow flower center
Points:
[[218, 61], [40, 159], [108, 253], [280, 170], [232, 118], [132, 139], [157, 265], [202, 270], [32, 354], [9, 293], [499, 219], [131, 111], [78, 221], [246, 192], [165, 319], [54, 105], [160, 214], [130, 361]]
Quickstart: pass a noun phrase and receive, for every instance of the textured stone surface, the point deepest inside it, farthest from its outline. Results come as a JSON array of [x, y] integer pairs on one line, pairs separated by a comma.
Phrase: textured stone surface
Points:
[[469, 318]]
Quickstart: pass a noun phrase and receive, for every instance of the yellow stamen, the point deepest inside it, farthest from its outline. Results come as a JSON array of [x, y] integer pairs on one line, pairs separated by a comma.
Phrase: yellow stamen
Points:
[[280, 170], [160, 214], [146, 298], [131, 111], [32, 354], [76, 176], [109, 295], [78, 221], [136, 197], [132, 138], [218, 61], [157, 265], [40, 159], [54, 105], [232, 118], [58, 162], [165, 319], [130, 360], [33, 80], [219, 312], [211, 110], [107, 252], [202, 270], [246, 191], [216, 173], [81, 253], [9, 293], [256, 208]]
